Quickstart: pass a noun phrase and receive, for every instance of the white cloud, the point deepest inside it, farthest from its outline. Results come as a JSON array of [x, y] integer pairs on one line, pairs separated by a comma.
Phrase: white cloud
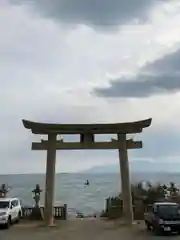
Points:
[[47, 73]]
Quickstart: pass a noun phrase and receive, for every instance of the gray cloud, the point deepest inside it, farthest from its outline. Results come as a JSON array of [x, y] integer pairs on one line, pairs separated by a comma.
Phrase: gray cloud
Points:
[[33, 76], [161, 76], [101, 12], [145, 85]]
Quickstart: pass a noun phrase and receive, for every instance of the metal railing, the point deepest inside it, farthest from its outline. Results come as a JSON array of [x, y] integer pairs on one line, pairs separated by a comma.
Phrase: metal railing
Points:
[[60, 212]]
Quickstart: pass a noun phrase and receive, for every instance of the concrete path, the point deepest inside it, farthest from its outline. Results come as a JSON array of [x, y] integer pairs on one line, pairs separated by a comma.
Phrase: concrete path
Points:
[[79, 230]]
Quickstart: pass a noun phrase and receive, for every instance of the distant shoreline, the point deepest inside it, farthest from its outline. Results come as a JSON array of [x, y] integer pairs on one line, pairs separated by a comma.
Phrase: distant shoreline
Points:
[[96, 173]]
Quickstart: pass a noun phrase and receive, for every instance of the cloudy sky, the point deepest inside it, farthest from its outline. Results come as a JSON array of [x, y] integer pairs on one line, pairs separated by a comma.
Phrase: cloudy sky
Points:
[[81, 61]]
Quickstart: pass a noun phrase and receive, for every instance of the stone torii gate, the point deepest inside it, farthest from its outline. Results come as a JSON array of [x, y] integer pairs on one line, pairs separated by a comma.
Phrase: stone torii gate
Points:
[[87, 134]]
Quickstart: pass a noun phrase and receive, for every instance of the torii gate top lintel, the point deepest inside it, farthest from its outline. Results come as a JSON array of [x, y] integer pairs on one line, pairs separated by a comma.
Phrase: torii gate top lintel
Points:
[[99, 128]]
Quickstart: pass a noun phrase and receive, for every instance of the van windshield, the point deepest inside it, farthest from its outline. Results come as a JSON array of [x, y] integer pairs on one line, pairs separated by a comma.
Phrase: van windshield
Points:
[[4, 204], [168, 209]]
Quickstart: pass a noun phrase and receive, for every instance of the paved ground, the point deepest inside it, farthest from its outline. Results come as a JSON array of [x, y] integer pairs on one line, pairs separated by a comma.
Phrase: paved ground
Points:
[[80, 230]]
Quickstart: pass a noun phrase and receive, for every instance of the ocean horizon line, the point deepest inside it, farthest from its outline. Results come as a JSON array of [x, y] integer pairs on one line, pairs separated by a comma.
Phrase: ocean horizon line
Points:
[[93, 173]]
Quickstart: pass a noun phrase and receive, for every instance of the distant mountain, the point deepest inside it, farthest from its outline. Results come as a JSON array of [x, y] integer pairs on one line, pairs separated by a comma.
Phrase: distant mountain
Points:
[[138, 166], [103, 169]]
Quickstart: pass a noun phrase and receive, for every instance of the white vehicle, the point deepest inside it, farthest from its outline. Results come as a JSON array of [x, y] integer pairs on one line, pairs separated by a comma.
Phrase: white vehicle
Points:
[[10, 211]]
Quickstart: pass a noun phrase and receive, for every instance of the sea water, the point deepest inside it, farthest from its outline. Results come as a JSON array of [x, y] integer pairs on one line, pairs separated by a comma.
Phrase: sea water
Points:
[[70, 188]]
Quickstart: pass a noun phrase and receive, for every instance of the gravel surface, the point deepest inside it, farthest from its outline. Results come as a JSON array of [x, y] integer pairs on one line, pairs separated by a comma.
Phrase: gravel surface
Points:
[[79, 230]]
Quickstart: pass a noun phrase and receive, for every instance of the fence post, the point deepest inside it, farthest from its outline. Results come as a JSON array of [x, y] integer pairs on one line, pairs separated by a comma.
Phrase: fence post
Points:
[[65, 212]]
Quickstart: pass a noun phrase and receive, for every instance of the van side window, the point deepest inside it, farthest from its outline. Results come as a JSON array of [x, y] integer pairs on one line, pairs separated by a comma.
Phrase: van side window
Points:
[[14, 203]]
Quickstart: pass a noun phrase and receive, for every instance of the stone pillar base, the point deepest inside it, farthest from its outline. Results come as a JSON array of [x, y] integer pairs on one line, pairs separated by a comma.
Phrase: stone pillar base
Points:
[[36, 214], [44, 225], [49, 223]]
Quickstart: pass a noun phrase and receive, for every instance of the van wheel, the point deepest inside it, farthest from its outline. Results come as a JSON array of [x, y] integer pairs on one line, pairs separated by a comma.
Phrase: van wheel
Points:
[[156, 231], [148, 226], [8, 224], [19, 217]]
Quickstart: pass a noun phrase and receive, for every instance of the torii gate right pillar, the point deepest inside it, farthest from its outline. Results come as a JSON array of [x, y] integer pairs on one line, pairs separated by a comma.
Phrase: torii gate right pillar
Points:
[[125, 180], [50, 180]]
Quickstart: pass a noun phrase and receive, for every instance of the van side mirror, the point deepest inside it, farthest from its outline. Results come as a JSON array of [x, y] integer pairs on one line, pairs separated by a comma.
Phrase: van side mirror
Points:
[[11, 207]]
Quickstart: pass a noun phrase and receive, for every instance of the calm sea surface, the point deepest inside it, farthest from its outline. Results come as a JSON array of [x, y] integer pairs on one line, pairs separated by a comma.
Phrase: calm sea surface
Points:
[[70, 188]]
